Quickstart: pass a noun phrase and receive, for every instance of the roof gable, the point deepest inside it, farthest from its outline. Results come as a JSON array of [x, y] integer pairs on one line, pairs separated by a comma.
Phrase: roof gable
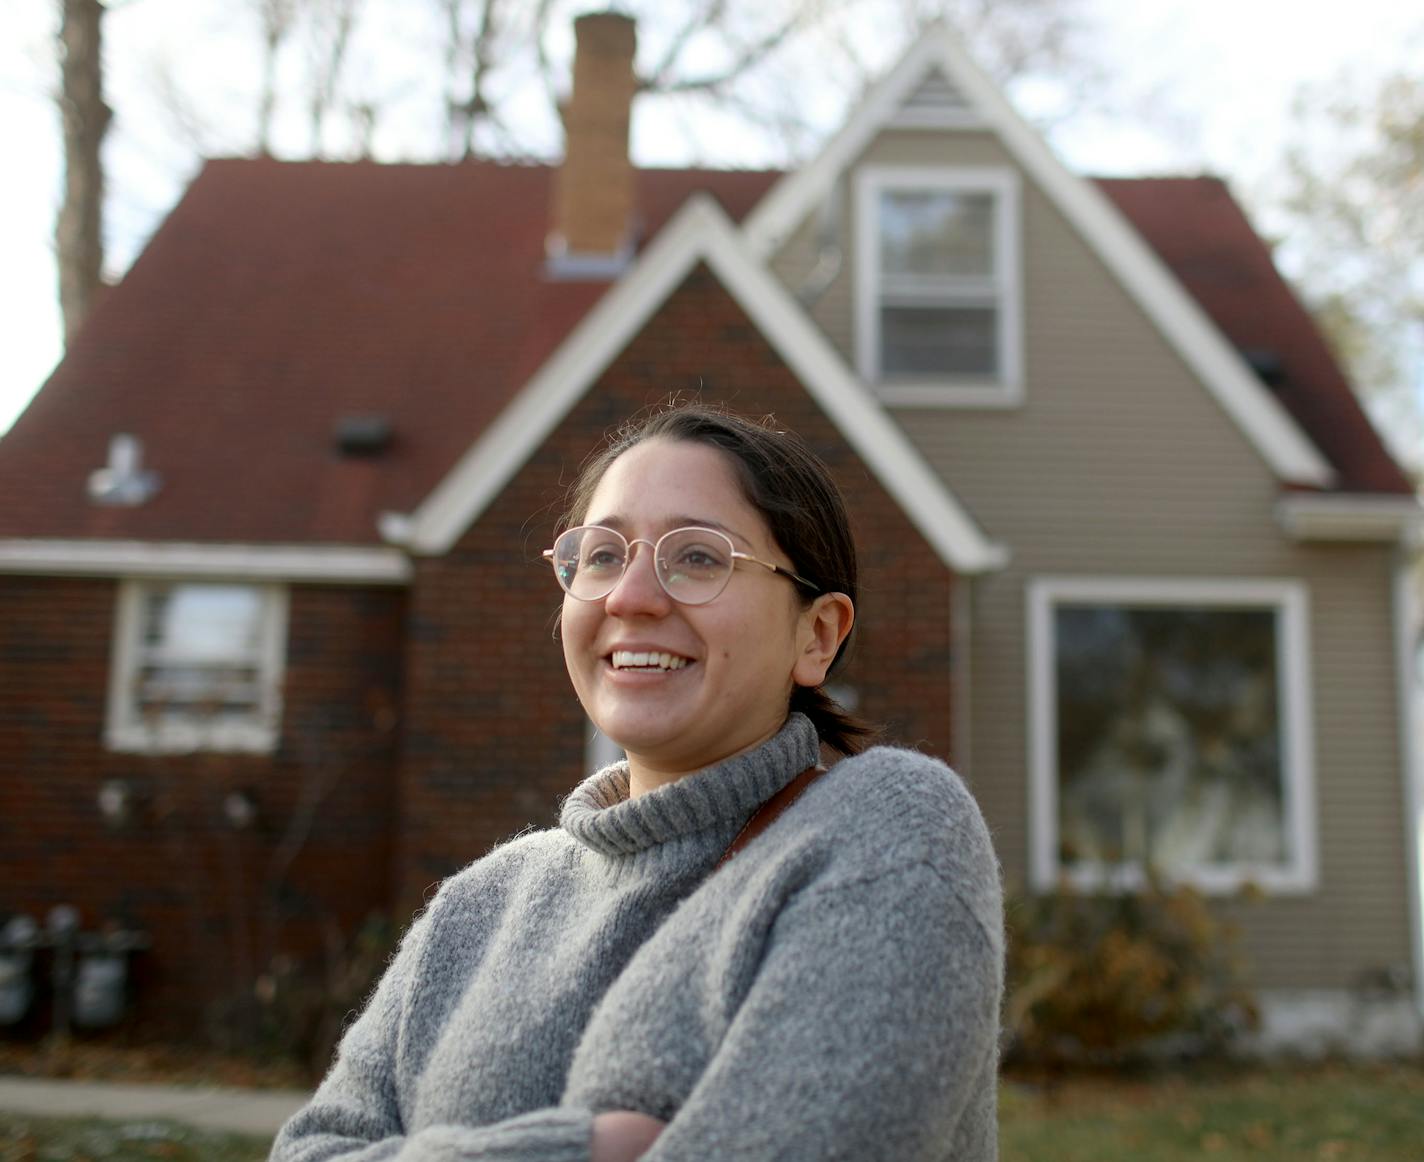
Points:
[[937, 62], [701, 232]]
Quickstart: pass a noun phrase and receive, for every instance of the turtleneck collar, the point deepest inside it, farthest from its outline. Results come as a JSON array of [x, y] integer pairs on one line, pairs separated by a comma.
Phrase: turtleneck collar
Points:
[[600, 815]]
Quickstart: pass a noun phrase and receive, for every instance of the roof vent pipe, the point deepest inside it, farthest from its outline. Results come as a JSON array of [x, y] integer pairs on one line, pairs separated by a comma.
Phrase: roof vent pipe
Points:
[[365, 435], [593, 189], [123, 481]]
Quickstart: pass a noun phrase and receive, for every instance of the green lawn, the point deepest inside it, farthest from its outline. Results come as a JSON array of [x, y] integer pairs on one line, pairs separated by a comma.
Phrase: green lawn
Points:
[[1337, 1114], [1333, 1115], [26, 1139]]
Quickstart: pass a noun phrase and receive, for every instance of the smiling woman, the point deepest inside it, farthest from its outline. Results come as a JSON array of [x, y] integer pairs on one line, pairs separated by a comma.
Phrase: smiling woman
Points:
[[726, 949], [747, 639]]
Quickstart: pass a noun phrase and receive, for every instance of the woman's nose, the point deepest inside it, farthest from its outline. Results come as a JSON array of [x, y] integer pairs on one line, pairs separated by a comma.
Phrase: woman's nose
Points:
[[638, 590]]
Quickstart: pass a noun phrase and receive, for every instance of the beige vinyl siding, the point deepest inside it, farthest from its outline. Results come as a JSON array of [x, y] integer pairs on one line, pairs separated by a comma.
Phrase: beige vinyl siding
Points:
[[1120, 463]]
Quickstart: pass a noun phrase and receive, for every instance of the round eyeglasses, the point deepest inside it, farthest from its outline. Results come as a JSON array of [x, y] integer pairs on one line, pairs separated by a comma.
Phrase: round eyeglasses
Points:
[[693, 565]]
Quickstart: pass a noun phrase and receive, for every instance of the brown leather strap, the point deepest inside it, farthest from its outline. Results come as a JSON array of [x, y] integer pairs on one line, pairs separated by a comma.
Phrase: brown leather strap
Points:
[[770, 811]]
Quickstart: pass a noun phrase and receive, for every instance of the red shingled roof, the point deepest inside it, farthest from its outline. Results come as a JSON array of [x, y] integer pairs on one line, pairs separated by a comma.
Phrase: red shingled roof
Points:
[[280, 297]]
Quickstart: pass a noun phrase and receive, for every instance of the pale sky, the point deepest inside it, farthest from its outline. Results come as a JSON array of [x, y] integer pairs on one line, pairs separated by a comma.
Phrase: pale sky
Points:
[[1218, 76]]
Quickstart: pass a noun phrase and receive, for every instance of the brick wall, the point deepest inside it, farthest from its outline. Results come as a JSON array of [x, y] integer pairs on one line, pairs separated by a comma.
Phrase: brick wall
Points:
[[179, 871], [494, 735]]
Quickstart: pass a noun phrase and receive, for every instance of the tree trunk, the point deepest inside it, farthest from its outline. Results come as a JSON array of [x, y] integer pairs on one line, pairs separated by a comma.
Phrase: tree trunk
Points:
[[79, 231]]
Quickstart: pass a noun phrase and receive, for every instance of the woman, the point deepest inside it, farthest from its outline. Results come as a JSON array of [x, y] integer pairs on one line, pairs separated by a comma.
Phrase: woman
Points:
[[605, 990]]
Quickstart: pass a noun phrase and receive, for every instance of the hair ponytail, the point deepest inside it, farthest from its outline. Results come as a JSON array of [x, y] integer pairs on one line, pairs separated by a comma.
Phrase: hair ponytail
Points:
[[839, 729]]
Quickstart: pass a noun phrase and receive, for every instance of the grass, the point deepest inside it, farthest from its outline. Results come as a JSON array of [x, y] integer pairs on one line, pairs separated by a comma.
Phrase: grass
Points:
[[26, 1139], [1334, 1114]]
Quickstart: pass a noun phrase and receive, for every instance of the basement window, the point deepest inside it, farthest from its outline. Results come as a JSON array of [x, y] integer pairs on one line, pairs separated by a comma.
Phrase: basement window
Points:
[[197, 666]]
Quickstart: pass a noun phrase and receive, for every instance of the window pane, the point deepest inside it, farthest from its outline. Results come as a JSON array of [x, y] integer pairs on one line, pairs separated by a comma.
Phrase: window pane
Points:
[[201, 652], [937, 232], [939, 341], [207, 689], [204, 623], [1169, 750]]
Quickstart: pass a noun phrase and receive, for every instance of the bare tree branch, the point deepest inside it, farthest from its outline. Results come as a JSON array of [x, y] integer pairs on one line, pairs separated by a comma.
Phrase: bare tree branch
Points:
[[538, 25], [749, 56], [277, 17], [79, 229], [712, 12], [332, 24], [482, 50]]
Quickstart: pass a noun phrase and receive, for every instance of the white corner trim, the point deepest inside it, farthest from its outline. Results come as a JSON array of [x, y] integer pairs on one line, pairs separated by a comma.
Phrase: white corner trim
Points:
[[701, 232], [1290, 599], [338, 564], [1408, 623], [1351, 517], [961, 676], [1261, 418]]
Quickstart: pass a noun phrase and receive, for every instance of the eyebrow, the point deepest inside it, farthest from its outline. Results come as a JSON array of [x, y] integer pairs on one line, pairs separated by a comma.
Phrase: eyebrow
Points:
[[619, 525]]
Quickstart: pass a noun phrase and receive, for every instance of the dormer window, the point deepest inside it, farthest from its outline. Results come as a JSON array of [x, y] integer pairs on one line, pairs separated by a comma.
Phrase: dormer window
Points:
[[939, 302]]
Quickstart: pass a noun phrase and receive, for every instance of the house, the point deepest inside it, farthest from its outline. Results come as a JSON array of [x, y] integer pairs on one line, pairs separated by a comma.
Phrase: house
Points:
[[276, 646]]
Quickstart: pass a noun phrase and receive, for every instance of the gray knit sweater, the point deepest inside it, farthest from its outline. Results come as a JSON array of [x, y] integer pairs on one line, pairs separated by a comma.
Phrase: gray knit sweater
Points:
[[833, 992]]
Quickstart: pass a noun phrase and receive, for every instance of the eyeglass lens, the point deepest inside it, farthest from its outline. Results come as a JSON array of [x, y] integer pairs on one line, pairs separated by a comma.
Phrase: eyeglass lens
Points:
[[692, 565]]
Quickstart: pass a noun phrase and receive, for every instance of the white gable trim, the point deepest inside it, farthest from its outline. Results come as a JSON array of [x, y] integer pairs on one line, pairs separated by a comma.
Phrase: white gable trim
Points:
[[1261, 418], [1408, 622], [701, 232], [338, 564]]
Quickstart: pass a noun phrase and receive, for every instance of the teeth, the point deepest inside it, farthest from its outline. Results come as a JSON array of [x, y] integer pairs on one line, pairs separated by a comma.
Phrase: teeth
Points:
[[636, 660]]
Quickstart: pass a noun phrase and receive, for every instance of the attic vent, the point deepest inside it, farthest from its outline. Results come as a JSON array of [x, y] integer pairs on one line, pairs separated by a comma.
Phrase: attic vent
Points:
[[936, 104], [358, 436], [123, 480], [1268, 366]]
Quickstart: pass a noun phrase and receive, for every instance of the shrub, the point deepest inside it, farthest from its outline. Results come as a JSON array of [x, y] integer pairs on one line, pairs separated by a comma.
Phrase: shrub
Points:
[[1109, 979], [297, 1009]]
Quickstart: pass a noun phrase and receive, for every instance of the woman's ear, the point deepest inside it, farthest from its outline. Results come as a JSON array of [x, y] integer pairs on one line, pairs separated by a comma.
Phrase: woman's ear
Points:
[[823, 626]]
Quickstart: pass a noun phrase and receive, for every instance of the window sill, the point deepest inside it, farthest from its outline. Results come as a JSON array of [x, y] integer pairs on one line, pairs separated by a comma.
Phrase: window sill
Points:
[[1222, 880], [963, 394], [192, 738]]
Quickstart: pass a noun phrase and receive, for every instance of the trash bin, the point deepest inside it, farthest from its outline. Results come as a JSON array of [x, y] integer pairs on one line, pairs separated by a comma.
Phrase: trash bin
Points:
[[18, 940]]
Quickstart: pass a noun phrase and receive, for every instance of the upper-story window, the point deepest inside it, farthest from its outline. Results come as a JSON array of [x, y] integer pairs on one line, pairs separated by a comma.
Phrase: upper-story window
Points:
[[938, 312], [197, 666]]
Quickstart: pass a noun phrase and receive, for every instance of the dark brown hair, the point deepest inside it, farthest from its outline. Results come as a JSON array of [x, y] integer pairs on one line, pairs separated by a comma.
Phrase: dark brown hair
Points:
[[784, 481]]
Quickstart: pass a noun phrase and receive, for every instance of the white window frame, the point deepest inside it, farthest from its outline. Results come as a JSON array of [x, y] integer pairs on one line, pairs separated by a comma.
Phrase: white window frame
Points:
[[1002, 391], [125, 729], [1290, 601]]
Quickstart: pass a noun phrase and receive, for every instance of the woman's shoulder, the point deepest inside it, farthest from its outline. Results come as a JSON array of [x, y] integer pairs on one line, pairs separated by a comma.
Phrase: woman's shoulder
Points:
[[892, 807], [504, 873], [904, 786]]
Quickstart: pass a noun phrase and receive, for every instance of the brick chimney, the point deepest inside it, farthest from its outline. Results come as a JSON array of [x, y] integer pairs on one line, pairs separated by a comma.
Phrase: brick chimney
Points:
[[593, 189]]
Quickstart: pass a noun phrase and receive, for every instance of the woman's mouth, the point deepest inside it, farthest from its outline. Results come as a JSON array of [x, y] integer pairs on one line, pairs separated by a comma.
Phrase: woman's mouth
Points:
[[649, 661]]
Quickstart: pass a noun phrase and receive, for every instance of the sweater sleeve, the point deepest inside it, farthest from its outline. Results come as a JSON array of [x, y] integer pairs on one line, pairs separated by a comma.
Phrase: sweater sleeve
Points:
[[870, 1030], [355, 1114]]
